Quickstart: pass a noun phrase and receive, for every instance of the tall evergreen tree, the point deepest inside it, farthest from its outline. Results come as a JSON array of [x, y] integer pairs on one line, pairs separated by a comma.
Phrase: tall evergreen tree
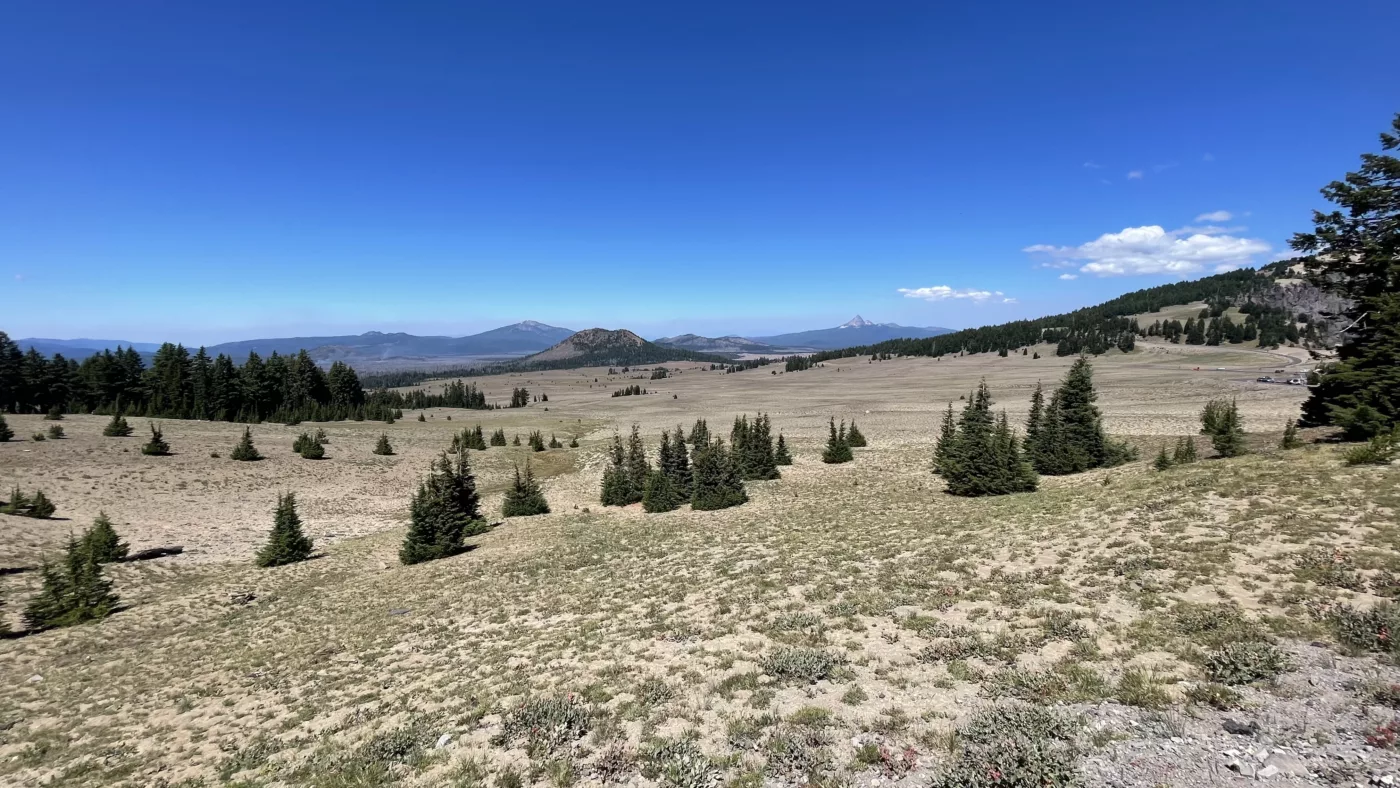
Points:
[[1163, 462], [101, 541], [286, 544], [1068, 436], [637, 466], [1290, 436], [716, 482], [947, 436], [836, 449], [444, 511], [700, 434], [383, 447], [615, 485], [524, 498], [1227, 435], [854, 438], [1354, 252], [245, 451], [1185, 452], [40, 507], [780, 454], [117, 427], [156, 446], [1034, 420]]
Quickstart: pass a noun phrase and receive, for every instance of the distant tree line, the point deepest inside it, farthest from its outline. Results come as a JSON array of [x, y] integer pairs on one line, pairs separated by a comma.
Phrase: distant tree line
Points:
[[181, 385]]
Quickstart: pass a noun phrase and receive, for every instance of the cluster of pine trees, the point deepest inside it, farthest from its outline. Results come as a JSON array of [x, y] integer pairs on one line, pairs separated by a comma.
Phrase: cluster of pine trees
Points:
[[840, 442], [1221, 421], [75, 591], [978, 454], [519, 397], [525, 498], [670, 484], [660, 373], [1067, 436], [630, 391], [1183, 454], [469, 438], [751, 443], [37, 505], [444, 512], [311, 447], [713, 480]]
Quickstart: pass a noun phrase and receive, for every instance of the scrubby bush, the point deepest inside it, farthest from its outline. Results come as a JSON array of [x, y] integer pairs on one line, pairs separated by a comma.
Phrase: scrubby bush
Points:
[[801, 665], [546, 724], [1381, 449], [117, 427], [156, 446], [1245, 662], [1013, 747], [1368, 629], [56, 432]]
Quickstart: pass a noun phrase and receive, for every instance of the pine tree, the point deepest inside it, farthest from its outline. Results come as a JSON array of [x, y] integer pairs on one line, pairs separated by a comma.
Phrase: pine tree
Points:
[[947, 436], [537, 440], [102, 543], [383, 447], [5, 432], [573, 442], [444, 511], [421, 417], [55, 414], [554, 442], [1228, 434], [17, 504], [1213, 415], [699, 434], [660, 494], [1185, 452], [245, 451], [117, 427], [1354, 253], [73, 593], [716, 482], [286, 544], [780, 454], [498, 438], [156, 446], [516, 440], [311, 449], [40, 507], [524, 498], [614, 492], [836, 449], [854, 438], [1163, 462], [1290, 436], [1034, 420], [637, 466]]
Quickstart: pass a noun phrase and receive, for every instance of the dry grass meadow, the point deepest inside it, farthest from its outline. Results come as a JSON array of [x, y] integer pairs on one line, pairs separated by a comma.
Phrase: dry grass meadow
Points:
[[845, 609]]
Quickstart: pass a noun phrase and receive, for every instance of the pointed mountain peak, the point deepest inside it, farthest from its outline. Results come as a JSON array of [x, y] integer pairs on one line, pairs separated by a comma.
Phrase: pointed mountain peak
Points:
[[856, 322]]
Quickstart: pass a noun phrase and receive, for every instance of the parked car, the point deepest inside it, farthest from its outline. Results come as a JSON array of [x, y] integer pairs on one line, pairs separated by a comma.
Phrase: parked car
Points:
[[1265, 379], [1297, 382]]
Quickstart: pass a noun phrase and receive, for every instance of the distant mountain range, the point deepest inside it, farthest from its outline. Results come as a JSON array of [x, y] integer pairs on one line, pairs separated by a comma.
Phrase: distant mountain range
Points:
[[550, 344], [856, 331], [730, 344]]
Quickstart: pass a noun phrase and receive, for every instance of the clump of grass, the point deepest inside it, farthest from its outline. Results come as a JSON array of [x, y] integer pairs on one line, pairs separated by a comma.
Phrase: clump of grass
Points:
[[1142, 688], [1245, 662], [801, 665], [854, 696]]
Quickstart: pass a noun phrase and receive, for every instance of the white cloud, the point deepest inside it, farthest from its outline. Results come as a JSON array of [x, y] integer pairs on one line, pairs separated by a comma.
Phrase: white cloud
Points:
[[1215, 216], [1068, 277], [1135, 175], [944, 292], [1153, 250]]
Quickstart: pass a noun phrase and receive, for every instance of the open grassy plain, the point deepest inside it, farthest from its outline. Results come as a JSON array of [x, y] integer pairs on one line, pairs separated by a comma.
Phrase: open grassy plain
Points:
[[836, 629]]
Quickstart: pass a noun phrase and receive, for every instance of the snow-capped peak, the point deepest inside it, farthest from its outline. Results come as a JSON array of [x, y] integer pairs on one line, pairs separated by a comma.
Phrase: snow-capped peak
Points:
[[856, 322]]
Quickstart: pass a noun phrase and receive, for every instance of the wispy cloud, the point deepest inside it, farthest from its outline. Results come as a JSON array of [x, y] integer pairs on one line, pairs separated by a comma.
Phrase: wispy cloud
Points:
[[944, 292], [1215, 216], [1135, 175], [1068, 277], [1153, 250], [1092, 166]]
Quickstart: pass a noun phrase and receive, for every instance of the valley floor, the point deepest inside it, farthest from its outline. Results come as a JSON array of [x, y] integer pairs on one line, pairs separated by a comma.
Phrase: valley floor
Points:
[[842, 624]]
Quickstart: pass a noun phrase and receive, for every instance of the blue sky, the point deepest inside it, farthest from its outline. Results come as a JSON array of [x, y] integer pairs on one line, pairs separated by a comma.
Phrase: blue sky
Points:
[[209, 171]]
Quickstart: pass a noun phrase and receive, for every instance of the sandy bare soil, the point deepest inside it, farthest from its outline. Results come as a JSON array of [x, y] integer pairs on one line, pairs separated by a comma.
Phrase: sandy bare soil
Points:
[[844, 605]]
